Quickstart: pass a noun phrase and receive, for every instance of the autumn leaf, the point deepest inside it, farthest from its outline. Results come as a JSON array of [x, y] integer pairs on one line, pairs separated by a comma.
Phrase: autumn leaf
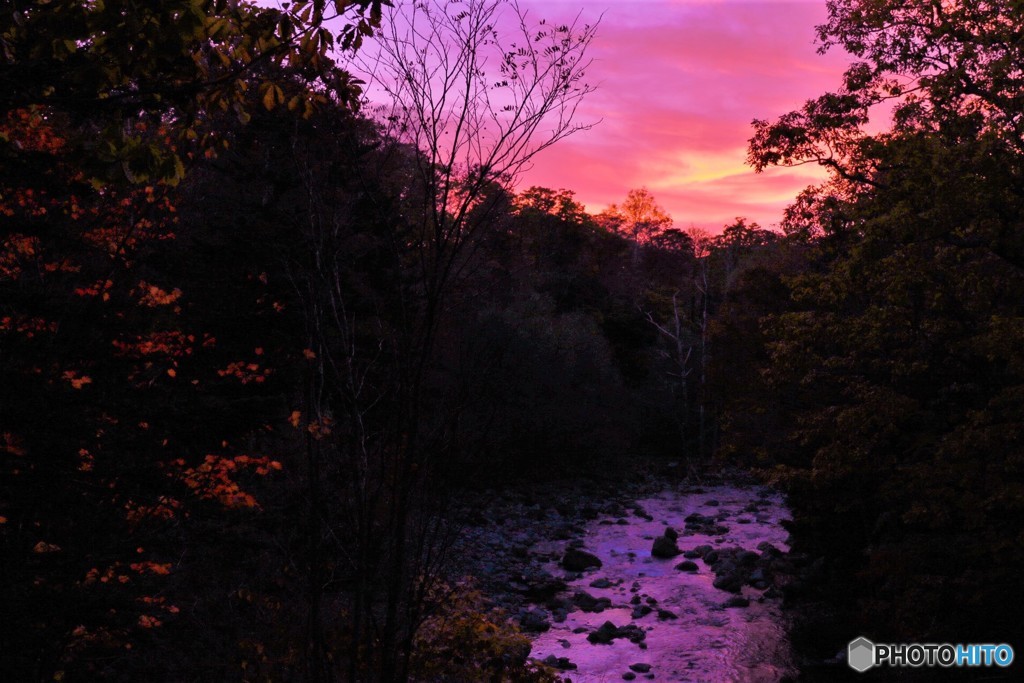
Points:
[[76, 382], [146, 621]]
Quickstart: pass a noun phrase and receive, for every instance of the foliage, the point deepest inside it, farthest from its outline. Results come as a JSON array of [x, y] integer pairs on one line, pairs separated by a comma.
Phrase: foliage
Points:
[[113, 378], [896, 353], [639, 216], [107, 64], [463, 640]]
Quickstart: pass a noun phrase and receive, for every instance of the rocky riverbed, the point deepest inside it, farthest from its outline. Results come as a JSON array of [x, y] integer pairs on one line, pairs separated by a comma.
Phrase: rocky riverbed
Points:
[[641, 581]]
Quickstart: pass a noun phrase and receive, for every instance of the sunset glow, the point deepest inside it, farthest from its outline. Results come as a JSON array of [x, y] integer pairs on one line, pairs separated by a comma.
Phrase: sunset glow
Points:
[[679, 82]]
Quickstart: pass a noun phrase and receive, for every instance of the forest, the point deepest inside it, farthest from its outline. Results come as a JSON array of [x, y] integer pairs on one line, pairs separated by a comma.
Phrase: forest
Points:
[[262, 336]]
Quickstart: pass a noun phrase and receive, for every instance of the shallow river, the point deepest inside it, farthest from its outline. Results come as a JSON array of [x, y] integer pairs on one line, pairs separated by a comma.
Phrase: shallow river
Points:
[[707, 641]]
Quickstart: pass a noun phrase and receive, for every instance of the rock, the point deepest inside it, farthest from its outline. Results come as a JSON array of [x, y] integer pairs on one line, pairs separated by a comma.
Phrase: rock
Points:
[[588, 603], [640, 667], [743, 520], [711, 557], [736, 601], [576, 560], [664, 614], [747, 558], [609, 632], [629, 676], [600, 583], [642, 514], [665, 547], [671, 533], [728, 582], [604, 635], [535, 621], [634, 634], [712, 503], [641, 611], [539, 586], [560, 663], [687, 566]]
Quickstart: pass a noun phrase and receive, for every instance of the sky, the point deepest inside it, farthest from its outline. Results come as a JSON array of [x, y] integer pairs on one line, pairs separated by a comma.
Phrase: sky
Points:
[[679, 82]]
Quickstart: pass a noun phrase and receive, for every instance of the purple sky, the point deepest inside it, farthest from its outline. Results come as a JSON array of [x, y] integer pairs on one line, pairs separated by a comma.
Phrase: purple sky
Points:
[[679, 83]]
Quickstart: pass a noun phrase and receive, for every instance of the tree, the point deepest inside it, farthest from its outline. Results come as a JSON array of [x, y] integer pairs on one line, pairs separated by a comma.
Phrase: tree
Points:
[[108, 64], [125, 401], [467, 109], [896, 353], [640, 217]]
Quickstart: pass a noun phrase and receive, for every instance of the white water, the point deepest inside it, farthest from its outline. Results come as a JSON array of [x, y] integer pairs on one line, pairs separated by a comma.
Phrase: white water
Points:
[[707, 642]]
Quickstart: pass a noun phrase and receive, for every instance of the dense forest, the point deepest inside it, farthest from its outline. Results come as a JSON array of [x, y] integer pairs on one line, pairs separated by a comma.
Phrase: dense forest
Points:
[[257, 333]]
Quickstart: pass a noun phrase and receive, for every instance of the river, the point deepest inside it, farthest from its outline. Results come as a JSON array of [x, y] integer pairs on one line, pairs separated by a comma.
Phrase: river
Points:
[[688, 634]]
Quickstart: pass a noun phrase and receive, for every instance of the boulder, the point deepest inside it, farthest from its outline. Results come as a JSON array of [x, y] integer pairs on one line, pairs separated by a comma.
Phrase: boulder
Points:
[[534, 621], [732, 583], [665, 547], [609, 632], [560, 663], [576, 560], [588, 603]]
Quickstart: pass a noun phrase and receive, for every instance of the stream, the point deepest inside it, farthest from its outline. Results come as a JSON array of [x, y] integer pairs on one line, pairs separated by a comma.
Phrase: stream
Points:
[[669, 623]]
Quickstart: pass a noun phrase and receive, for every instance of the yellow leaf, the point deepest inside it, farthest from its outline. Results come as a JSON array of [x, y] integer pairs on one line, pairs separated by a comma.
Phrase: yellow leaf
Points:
[[268, 98]]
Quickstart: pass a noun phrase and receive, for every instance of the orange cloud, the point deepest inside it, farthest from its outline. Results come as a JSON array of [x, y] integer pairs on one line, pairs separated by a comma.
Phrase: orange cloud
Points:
[[679, 83]]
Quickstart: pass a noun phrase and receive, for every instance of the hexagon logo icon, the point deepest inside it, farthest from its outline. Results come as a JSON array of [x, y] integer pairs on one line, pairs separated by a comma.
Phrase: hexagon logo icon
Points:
[[860, 654]]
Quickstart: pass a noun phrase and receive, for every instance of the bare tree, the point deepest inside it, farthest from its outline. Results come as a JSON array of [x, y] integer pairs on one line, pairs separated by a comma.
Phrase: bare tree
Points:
[[473, 91], [479, 90]]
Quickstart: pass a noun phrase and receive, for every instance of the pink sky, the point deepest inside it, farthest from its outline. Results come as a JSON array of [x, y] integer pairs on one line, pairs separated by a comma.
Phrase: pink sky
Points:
[[679, 83]]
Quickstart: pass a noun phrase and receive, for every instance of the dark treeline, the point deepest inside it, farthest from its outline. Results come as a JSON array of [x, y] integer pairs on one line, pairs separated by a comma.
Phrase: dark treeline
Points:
[[874, 354], [252, 340]]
